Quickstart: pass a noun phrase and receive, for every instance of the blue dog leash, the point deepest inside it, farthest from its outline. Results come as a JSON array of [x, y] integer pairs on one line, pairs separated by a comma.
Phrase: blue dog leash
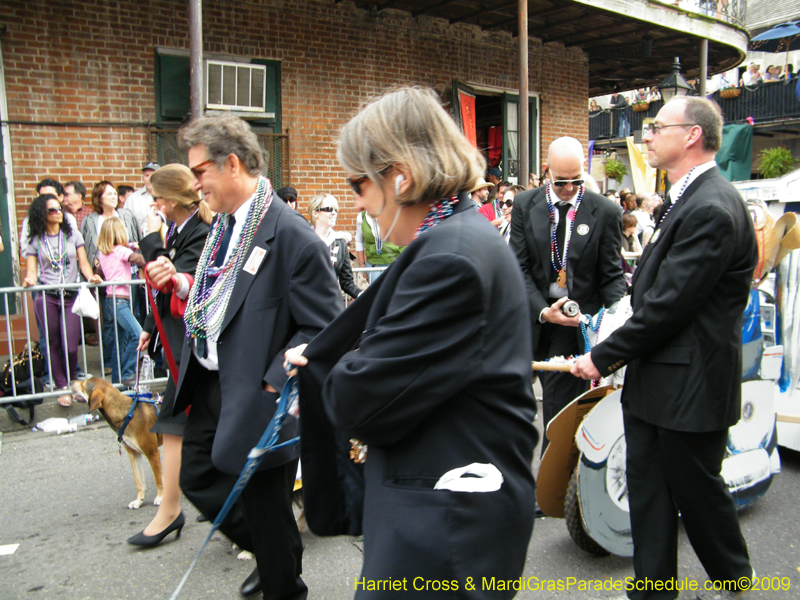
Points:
[[267, 443], [136, 401], [129, 416]]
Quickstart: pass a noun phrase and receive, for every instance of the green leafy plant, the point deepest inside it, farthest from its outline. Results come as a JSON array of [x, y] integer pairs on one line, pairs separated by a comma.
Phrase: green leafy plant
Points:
[[615, 170], [776, 162]]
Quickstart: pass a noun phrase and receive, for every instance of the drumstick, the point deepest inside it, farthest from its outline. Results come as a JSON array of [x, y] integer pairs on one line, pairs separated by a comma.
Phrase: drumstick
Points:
[[551, 366], [787, 418]]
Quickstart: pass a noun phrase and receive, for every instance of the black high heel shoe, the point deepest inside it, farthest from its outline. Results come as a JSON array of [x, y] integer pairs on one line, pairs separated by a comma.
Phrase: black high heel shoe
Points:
[[148, 541]]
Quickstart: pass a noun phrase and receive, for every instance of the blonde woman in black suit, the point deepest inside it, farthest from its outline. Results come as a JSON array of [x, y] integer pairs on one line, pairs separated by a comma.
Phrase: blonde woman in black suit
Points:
[[429, 366], [180, 247]]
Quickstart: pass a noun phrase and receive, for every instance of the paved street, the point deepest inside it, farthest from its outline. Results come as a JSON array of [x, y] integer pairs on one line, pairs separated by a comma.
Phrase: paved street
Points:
[[63, 500]]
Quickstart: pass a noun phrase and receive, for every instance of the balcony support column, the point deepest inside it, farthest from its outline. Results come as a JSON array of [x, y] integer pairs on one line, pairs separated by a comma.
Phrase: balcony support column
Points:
[[196, 57], [524, 128], [701, 84]]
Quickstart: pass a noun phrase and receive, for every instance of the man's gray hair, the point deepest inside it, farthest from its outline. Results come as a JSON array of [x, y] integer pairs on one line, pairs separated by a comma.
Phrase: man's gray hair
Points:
[[707, 115], [223, 135]]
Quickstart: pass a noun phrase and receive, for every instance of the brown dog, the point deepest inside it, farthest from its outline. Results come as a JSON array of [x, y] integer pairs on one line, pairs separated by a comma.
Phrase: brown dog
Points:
[[138, 441]]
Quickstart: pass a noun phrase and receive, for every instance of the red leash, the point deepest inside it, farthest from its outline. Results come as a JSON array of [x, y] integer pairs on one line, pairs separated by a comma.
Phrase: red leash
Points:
[[173, 369]]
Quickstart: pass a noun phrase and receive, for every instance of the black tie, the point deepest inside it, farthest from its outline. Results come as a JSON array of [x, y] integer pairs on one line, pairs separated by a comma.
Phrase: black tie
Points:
[[561, 232], [219, 259]]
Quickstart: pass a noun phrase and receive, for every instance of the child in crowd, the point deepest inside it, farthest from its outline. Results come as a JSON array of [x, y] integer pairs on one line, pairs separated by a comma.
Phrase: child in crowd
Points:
[[116, 258]]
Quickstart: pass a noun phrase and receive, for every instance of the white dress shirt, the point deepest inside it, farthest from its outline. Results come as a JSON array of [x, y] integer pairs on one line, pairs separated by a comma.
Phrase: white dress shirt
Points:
[[211, 361]]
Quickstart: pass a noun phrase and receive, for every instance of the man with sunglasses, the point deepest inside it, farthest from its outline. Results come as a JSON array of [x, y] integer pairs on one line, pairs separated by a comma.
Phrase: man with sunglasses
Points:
[[263, 284], [568, 242], [683, 348]]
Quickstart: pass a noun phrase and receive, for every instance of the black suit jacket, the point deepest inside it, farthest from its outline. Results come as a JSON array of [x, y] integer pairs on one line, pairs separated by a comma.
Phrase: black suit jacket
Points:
[[292, 296], [683, 344], [184, 251], [341, 265], [440, 379], [594, 265]]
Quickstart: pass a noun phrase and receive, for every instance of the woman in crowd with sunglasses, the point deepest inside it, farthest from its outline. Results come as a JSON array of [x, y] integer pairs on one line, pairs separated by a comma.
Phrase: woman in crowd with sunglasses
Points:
[[506, 205], [322, 212], [57, 252], [430, 367]]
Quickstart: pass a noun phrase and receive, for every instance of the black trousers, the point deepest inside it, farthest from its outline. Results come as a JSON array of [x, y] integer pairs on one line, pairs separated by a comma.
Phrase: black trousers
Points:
[[262, 520], [558, 389], [671, 472]]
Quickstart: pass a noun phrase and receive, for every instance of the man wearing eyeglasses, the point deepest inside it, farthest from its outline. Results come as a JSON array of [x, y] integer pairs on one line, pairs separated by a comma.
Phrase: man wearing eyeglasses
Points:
[[263, 284], [683, 348], [568, 241]]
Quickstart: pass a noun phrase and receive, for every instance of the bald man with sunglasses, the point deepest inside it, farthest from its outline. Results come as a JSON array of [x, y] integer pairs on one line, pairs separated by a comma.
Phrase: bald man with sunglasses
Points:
[[567, 240]]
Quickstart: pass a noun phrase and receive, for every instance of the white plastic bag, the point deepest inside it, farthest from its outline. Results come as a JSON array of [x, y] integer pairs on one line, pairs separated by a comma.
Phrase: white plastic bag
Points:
[[85, 304], [53, 425]]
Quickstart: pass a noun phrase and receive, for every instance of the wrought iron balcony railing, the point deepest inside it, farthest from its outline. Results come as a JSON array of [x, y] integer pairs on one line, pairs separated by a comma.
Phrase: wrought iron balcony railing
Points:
[[763, 103], [731, 11]]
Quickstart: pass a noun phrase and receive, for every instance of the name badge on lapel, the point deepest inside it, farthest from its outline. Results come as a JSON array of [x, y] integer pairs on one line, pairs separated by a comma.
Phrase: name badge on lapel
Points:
[[583, 229], [255, 260]]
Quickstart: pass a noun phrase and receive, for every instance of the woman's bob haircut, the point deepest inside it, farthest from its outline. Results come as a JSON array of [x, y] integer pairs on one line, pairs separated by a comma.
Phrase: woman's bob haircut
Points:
[[409, 127]]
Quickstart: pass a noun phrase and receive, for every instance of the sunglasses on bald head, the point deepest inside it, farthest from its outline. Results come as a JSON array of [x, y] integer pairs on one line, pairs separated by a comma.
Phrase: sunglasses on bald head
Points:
[[563, 182]]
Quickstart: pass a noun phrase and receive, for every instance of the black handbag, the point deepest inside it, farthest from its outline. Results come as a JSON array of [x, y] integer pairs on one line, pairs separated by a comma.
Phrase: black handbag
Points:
[[24, 387], [21, 364]]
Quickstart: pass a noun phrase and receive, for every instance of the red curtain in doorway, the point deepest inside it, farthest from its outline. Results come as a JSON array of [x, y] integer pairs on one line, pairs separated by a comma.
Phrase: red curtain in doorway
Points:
[[495, 145], [467, 102]]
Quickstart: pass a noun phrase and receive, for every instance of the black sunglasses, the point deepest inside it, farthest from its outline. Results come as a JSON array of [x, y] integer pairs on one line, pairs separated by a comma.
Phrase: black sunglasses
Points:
[[328, 209], [53, 211], [507, 203], [356, 184], [563, 182]]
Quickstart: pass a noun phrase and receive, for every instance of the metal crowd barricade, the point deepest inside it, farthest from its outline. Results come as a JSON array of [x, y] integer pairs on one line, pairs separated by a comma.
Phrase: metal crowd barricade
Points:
[[50, 390], [364, 271], [83, 355]]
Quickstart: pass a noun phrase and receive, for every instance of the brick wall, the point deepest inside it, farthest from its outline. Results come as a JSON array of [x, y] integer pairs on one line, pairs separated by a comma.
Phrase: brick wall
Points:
[[92, 62]]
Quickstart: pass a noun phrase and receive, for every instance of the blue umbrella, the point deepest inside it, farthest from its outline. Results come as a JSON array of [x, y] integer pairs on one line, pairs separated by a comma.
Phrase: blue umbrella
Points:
[[781, 38]]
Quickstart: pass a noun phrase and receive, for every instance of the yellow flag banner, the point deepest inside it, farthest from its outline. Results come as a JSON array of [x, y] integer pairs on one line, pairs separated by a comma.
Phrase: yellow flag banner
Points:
[[643, 175]]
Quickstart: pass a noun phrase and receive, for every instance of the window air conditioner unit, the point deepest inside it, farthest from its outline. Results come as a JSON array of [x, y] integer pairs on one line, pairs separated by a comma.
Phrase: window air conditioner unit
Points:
[[235, 86]]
